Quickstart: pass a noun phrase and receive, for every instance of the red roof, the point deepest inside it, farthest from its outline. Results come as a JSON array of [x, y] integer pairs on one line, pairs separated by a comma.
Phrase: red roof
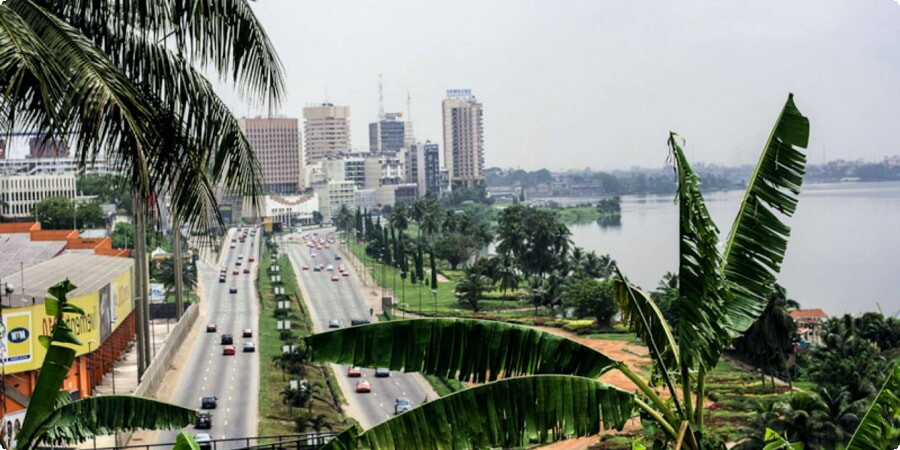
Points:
[[809, 314]]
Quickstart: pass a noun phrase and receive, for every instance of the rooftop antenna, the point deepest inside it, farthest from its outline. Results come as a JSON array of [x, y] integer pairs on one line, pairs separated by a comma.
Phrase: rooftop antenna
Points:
[[380, 99]]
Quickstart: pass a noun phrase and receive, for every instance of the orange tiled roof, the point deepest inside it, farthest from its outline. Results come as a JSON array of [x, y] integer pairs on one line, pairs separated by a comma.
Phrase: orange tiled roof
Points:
[[808, 314]]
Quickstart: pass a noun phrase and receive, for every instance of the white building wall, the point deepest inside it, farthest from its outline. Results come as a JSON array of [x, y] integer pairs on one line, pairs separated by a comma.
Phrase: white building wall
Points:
[[22, 192]]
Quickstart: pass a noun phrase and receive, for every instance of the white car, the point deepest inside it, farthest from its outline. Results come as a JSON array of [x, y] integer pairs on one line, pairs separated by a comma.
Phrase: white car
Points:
[[330, 268]]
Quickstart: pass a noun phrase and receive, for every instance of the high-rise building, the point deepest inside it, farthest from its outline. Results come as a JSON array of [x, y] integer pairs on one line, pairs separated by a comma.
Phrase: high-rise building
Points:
[[389, 134], [276, 142], [463, 138], [423, 167], [327, 129]]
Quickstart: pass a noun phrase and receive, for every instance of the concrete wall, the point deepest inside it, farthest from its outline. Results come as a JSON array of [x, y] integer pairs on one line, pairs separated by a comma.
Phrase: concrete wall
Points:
[[160, 365]]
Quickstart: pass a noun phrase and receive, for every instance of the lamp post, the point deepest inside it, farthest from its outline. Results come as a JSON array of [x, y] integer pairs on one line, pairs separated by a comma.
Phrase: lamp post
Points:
[[434, 294], [91, 375]]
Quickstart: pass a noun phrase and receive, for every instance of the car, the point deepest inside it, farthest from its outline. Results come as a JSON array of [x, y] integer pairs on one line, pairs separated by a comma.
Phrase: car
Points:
[[210, 328], [334, 278], [228, 350], [246, 270], [233, 240], [341, 267], [354, 371], [305, 267], [382, 372], [248, 332], [334, 323], [208, 402], [232, 246], [316, 269], [203, 421], [402, 404], [312, 255], [236, 272], [249, 347], [204, 441], [227, 339], [345, 274], [321, 266], [232, 290], [251, 259], [242, 240], [363, 386], [355, 322], [329, 268], [221, 278], [238, 263], [337, 257]]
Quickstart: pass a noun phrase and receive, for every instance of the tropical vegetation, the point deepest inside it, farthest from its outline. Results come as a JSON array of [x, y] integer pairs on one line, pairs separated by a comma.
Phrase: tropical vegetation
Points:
[[720, 295]]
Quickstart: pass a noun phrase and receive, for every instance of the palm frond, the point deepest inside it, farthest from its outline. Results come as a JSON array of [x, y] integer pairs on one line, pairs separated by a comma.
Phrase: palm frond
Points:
[[475, 350], [878, 429], [514, 412], [701, 332], [758, 239], [96, 416]]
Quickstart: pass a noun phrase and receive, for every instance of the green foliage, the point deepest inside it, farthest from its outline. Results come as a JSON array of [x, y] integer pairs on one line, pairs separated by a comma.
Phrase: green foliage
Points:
[[123, 235], [591, 298], [880, 427], [60, 213], [847, 360], [184, 441], [108, 188], [534, 238], [470, 289], [164, 272], [772, 337], [454, 248]]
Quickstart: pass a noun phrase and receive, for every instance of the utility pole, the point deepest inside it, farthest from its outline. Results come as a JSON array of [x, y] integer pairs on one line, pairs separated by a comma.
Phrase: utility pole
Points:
[[139, 281], [178, 266]]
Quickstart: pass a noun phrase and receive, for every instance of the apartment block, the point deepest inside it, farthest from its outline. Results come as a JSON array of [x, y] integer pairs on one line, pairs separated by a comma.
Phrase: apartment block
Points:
[[463, 138], [276, 142], [327, 131]]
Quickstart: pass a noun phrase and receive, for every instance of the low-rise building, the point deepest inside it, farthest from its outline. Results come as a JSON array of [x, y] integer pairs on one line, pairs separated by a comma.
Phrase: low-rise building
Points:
[[19, 193], [809, 324]]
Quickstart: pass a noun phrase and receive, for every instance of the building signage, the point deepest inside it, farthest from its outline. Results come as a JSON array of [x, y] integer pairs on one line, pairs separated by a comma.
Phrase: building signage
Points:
[[459, 93], [17, 345]]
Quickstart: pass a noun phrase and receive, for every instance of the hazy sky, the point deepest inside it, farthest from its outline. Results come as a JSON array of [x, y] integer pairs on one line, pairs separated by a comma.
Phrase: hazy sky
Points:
[[599, 83]]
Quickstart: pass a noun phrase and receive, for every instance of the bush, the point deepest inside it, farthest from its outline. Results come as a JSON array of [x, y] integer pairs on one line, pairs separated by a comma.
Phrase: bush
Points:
[[286, 335], [579, 326]]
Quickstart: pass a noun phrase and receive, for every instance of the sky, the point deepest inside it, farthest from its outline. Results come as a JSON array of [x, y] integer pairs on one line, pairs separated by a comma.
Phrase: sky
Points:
[[571, 84]]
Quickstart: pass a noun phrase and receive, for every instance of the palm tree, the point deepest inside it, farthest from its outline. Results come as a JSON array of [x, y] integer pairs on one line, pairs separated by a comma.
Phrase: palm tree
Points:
[[54, 419], [507, 276], [720, 296], [165, 274], [773, 335], [880, 427], [399, 219], [121, 77], [471, 287]]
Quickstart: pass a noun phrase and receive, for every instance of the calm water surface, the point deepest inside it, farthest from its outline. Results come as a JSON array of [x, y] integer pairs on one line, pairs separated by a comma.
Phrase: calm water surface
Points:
[[843, 254]]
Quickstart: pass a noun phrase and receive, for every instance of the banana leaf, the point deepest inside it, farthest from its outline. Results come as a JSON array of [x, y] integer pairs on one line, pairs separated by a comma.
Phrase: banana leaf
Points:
[[464, 349], [514, 412], [880, 427], [758, 239]]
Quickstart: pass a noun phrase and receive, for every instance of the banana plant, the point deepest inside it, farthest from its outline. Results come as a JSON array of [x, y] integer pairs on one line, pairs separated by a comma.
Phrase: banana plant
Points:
[[54, 419], [880, 427], [720, 296]]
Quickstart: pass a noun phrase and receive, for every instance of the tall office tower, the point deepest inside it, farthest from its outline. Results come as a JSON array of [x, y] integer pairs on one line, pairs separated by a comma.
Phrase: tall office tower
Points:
[[277, 146], [423, 167], [463, 138], [327, 129], [389, 134]]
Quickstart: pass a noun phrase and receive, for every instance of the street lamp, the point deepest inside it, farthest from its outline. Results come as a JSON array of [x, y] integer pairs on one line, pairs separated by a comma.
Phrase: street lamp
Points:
[[434, 294]]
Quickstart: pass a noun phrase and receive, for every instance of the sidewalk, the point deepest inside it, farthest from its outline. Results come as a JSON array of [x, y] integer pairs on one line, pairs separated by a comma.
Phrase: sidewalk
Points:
[[124, 375]]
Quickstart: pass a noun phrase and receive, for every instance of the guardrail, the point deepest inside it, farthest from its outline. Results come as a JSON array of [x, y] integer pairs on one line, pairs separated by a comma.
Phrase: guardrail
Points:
[[305, 441]]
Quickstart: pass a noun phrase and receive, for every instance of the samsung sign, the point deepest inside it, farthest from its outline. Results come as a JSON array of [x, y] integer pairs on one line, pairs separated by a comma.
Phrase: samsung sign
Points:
[[459, 92], [18, 335]]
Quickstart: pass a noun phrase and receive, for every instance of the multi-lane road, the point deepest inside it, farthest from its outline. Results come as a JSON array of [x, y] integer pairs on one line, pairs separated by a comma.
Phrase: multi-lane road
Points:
[[343, 300], [234, 380]]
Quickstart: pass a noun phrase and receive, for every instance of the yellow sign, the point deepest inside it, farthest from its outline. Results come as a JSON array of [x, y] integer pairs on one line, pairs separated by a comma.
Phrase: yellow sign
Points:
[[104, 311]]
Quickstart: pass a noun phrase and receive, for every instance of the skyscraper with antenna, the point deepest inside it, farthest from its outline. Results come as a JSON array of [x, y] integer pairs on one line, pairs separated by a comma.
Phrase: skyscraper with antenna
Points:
[[390, 133]]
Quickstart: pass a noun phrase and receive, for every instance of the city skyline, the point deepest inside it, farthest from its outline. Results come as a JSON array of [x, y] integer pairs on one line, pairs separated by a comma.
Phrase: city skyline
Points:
[[603, 82]]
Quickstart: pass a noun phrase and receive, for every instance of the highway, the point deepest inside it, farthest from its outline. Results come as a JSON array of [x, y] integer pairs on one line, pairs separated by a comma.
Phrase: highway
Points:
[[206, 372], [343, 300]]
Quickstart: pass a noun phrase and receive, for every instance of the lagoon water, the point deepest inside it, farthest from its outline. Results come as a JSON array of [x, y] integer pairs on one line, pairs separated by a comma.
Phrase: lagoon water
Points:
[[843, 254]]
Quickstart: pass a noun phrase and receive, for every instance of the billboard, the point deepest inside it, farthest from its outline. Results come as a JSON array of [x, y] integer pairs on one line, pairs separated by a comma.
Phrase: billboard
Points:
[[104, 312]]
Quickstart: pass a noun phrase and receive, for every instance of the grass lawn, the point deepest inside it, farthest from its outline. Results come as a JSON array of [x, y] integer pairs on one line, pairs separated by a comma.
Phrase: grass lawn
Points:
[[275, 417]]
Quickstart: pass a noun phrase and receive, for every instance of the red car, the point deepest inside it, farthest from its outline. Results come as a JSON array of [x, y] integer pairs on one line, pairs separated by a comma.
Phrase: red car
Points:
[[236, 272], [363, 386], [228, 350], [305, 267], [334, 278], [251, 259], [345, 274], [354, 371], [246, 270]]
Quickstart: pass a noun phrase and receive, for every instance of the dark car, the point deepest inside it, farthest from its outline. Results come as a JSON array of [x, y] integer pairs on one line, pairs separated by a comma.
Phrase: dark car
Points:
[[337, 257], [222, 278], [204, 421], [211, 328], [227, 339], [208, 402], [248, 332], [382, 372], [356, 322], [232, 290]]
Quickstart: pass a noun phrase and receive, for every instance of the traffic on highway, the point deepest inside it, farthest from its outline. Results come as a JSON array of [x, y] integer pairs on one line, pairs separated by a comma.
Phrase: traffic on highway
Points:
[[336, 299]]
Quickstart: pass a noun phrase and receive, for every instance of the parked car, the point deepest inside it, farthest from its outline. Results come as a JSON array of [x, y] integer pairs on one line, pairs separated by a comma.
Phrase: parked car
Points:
[[208, 402], [382, 372], [210, 328], [402, 404], [248, 332], [203, 421], [354, 371], [363, 386], [249, 347], [227, 339], [228, 350]]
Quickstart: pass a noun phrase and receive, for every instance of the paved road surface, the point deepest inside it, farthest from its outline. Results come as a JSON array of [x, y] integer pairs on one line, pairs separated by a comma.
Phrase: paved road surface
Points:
[[343, 300], [233, 379]]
